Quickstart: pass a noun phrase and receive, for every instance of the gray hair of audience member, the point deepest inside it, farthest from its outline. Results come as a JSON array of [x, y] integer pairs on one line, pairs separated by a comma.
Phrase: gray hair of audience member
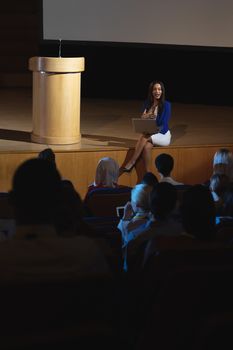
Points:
[[140, 196], [219, 183], [163, 199], [107, 172], [223, 157]]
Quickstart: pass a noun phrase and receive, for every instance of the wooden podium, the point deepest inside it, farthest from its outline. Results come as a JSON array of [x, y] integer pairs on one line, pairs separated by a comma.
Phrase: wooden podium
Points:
[[56, 99]]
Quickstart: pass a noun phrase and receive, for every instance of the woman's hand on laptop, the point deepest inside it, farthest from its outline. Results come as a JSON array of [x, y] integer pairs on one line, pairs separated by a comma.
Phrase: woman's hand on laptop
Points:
[[147, 116]]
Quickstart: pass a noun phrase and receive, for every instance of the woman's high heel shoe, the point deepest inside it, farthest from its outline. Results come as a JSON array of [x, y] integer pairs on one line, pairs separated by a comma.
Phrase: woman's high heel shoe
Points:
[[128, 167]]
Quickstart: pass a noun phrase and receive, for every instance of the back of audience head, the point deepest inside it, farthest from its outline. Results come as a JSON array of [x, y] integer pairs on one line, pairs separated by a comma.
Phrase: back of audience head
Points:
[[163, 200], [219, 183], [140, 197], [223, 162], [223, 156], [107, 172], [47, 154], [36, 191], [198, 212], [221, 168], [149, 179], [164, 163]]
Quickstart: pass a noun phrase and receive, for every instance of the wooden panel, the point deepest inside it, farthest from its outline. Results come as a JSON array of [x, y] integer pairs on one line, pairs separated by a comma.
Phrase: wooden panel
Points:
[[192, 165], [80, 167]]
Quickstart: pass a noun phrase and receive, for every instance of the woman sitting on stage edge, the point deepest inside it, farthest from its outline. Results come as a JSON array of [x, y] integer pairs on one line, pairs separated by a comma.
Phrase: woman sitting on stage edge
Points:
[[157, 108]]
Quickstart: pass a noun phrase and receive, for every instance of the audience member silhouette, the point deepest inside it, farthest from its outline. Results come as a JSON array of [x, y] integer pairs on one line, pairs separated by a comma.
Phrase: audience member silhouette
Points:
[[164, 163], [137, 217], [163, 198], [219, 169], [223, 162], [218, 186], [198, 212], [149, 179], [224, 218], [228, 202], [106, 176], [48, 154], [71, 222], [36, 192], [39, 199]]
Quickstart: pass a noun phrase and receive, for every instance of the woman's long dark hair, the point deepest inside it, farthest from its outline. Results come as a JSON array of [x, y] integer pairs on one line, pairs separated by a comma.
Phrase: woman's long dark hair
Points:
[[150, 97]]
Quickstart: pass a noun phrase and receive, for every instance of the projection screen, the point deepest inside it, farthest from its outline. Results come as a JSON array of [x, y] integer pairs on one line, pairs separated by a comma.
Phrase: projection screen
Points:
[[171, 22]]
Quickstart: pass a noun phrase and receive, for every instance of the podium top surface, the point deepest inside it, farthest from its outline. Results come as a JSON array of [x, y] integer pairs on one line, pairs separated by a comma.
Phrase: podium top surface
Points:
[[57, 64]]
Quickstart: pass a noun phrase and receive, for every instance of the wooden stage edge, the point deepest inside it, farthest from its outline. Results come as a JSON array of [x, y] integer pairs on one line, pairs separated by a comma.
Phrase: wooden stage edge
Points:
[[193, 164]]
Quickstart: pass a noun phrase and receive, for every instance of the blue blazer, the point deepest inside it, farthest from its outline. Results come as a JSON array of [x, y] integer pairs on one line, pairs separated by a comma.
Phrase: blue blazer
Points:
[[163, 118]]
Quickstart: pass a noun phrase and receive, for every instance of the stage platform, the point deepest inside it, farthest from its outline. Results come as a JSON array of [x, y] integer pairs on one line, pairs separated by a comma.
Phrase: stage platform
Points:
[[197, 132]]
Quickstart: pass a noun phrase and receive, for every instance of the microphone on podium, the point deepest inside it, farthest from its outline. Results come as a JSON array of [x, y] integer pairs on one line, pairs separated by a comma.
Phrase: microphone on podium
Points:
[[59, 52]]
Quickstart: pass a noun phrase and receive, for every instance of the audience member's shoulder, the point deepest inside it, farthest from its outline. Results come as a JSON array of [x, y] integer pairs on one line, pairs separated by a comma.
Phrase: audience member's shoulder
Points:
[[93, 187], [124, 187]]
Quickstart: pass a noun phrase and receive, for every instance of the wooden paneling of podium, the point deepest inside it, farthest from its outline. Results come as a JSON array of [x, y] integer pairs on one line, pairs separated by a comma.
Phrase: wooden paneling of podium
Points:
[[56, 99]]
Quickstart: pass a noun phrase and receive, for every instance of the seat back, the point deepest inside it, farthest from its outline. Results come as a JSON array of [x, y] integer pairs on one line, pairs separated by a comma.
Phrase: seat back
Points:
[[180, 191], [186, 297], [50, 294], [104, 201], [6, 208]]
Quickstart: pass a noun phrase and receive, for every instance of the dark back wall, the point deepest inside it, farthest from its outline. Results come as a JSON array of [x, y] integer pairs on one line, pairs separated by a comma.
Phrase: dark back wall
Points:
[[19, 37], [191, 74]]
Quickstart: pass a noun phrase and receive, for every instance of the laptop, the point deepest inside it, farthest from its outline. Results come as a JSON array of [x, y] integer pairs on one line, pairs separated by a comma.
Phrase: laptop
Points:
[[144, 126]]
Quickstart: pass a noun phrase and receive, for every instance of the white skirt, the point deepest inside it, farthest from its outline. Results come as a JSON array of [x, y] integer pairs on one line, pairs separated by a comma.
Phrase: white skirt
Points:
[[161, 139]]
